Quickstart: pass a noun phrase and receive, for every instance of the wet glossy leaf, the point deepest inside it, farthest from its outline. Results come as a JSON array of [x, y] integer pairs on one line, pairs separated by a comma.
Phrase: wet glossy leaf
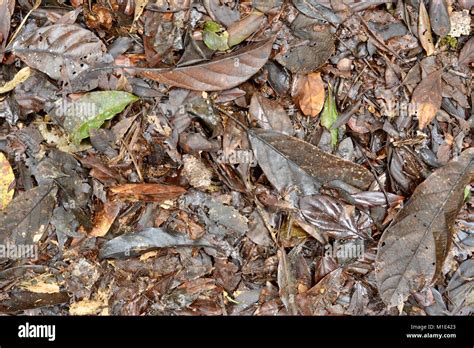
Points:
[[413, 248], [226, 71], [427, 97], [270, 114], [7, 181], [330, 215], [61, 50], [26, 218], [293, 163]]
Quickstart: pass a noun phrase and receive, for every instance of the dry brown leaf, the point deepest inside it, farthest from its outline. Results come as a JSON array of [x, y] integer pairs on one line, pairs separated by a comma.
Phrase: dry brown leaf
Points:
[[105, 218], [225, 72], [147, 192], [311, 94], [413, 248], [424, 30], [427, 97]]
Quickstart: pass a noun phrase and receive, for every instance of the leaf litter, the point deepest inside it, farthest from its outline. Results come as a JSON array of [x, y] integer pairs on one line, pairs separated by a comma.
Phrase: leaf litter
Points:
[[245, 158]]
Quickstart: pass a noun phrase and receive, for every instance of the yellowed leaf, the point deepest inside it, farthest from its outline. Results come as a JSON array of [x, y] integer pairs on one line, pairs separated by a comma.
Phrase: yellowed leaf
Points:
[[311, 94], [88, 307], [139, 7], [43, 284], [424, 30], [7, 181], [21, 76]]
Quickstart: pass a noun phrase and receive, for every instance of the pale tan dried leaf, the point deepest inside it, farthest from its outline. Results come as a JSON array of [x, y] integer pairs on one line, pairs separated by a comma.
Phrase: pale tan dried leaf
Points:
[[424, 30]]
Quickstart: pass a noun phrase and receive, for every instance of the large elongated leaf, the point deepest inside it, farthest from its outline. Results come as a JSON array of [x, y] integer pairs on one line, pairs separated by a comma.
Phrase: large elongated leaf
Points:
[[413, 248], [227, 71], [150, 238], [289, 162], [25, 219], [61, 50]]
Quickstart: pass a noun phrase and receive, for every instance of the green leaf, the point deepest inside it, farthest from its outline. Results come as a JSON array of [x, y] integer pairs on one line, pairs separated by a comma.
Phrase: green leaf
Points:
[[215, 37], [92, 110], [329, 115], [467, 192]]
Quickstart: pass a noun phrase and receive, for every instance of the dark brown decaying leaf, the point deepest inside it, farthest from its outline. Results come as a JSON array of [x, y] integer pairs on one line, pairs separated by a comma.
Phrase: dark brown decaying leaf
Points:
[[25, 219], [133, 244], [413, 248], [6, 11], [466, 56], [62, 51], [147, 192], [224, 72], [439, 17], [307, 56], [330, 215], [427, 97], [270, 114], [461, 288], [314, 9], [289, 162]]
